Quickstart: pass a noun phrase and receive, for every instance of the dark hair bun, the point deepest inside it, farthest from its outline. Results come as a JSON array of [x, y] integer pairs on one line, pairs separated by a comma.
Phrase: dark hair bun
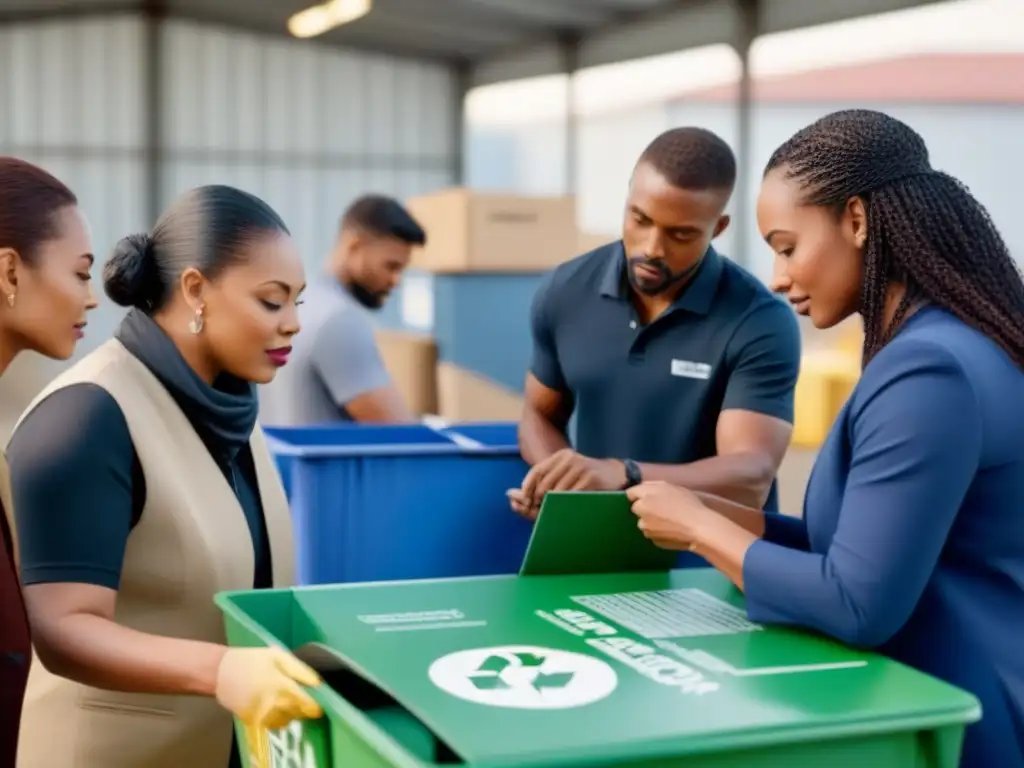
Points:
[[131, 278]]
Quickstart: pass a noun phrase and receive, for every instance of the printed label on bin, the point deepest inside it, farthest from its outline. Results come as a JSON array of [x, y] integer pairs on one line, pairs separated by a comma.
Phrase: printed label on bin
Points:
[[669, 620], [524, 677], [289, 748]]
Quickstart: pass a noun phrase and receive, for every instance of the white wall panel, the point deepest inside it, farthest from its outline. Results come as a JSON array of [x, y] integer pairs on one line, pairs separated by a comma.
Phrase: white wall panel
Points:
[[380, 81], [409, 109], [280, 97], [215, 90], [71, 84], [24, 98], [280, 191], [8, 77], [381, 181], [53, 54], [109, 83], [340, 189], [306, 122], [305, 127], [181, 96], [308, 220], [344, 92], [247, 53], [437, 95]]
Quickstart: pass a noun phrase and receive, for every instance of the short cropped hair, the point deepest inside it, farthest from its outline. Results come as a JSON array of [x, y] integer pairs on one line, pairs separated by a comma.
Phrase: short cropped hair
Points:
[[693, 159], [383, 216]]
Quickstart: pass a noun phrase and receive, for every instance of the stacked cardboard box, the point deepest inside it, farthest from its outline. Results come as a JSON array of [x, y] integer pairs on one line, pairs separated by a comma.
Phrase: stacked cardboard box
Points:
[[483, 232], [475, 242], [411, 359]]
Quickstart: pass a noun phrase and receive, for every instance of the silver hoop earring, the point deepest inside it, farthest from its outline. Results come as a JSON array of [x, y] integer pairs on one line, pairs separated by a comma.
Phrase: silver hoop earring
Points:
[[196, 323]]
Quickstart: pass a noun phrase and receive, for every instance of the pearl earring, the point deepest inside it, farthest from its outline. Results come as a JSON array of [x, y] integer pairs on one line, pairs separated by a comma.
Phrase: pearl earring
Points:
[[196, 324]]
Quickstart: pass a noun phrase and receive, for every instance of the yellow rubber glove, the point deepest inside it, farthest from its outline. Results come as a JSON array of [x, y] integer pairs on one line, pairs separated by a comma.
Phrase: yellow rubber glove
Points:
[[263, 687]]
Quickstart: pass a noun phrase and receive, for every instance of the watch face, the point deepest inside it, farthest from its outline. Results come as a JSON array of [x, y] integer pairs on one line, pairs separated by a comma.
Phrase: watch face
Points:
[[632, 473]]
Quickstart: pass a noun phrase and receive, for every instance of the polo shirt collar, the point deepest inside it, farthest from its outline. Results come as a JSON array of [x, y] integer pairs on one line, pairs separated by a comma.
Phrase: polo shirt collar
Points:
[[696, 297]]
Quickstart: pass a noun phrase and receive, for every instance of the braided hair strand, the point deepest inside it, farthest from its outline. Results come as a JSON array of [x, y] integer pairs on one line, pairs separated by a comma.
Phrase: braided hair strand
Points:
[[925, 229]]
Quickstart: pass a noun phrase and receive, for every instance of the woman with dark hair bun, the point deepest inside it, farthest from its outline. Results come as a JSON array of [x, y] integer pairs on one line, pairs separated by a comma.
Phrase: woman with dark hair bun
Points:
[[143, 486], [45, 293], [911, 540]]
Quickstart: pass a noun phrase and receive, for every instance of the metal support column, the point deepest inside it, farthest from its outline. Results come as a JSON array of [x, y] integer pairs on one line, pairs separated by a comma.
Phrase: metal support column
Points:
[[463, 72], [748, 26], [154, 82], [569, 45]]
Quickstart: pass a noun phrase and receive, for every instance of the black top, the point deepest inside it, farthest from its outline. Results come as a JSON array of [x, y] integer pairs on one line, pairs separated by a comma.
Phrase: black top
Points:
[[653, 393], [77, 481]]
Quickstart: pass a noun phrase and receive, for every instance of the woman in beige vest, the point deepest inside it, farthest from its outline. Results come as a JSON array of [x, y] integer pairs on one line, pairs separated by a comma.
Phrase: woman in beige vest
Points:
[[143, 486], [45, 293]]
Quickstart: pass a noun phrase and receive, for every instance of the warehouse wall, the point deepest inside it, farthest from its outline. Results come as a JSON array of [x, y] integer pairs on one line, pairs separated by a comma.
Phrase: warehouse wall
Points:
[[991, 168], [610, 143], [306, 127], [71, 101]]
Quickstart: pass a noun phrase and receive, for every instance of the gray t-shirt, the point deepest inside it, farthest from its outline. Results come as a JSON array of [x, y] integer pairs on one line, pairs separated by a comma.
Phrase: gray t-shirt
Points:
[[334, 360]]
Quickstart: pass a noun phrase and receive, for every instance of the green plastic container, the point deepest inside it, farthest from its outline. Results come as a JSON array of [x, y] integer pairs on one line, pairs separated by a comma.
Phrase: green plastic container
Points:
[[652, 670]]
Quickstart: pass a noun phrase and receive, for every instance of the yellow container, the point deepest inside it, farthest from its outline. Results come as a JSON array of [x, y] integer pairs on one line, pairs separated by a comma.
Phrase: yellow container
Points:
[[851, 339], [827, 378]]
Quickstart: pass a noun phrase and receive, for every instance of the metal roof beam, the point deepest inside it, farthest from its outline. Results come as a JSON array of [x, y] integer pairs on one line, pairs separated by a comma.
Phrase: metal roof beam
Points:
[[550, 14], [677, 26]]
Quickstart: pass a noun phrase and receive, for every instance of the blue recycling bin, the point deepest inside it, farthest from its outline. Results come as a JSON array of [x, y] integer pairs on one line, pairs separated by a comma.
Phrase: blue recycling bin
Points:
[[379, 503]]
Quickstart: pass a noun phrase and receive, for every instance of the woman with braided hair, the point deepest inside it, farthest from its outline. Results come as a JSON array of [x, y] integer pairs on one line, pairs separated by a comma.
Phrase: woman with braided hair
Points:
[[911, 540]]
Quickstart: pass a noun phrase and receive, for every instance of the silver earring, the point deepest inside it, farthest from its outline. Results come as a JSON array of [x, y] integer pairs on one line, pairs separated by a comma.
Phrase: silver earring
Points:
[[10, 300], [196, 323]]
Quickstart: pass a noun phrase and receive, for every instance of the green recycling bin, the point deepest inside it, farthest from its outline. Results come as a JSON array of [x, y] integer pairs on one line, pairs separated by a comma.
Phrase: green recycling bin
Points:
[[647, 670]]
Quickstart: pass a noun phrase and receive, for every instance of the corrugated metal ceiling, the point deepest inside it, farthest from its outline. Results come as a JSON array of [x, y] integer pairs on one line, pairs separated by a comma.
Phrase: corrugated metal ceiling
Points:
[[442, 29], [499, 38]]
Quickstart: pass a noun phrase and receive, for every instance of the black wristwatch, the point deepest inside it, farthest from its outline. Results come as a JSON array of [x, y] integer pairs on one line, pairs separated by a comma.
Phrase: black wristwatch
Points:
[[633, 474]]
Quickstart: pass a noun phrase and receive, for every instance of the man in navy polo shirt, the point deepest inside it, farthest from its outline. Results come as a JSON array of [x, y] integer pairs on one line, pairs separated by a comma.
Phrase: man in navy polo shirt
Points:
[[678, 364]]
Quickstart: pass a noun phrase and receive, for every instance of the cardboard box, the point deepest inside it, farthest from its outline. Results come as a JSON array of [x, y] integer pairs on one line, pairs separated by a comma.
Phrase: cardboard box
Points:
[[411, 359], [482, 232], [589, 241], [467, 396]]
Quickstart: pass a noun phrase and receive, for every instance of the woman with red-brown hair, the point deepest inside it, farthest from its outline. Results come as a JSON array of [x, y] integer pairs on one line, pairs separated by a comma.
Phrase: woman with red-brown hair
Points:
[[45, 293]]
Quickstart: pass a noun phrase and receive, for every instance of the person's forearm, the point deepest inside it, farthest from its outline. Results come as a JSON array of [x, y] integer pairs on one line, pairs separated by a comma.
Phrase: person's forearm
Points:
[[748, 518], [744, 478], [724, 545], [98, 652], [538, 437]]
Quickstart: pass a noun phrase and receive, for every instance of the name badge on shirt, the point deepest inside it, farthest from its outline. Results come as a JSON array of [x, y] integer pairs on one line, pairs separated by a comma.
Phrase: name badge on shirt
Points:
[[691, 370]]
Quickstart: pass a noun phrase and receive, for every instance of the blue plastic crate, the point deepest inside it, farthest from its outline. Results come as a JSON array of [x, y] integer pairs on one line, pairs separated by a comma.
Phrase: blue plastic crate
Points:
[[377, 503]]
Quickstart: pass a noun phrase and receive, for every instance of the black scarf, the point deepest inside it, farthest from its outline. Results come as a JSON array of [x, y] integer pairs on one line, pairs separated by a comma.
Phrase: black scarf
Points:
[[223, 415]]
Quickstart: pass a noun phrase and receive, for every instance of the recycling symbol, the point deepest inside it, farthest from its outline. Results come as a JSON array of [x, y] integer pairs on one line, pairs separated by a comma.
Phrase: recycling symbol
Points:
[[524, 677], [499, 671]]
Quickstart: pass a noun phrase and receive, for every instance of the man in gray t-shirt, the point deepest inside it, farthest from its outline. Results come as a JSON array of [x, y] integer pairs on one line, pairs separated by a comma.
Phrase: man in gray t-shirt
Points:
[[335, 372]]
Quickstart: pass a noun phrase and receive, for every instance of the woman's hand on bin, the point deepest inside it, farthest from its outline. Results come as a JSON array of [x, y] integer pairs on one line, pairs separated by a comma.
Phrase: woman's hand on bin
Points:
[[264, 687]]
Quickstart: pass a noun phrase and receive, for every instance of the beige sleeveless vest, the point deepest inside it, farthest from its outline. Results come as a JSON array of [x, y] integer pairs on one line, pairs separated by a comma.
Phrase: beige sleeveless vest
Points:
[[7, 502], [191, 542]]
